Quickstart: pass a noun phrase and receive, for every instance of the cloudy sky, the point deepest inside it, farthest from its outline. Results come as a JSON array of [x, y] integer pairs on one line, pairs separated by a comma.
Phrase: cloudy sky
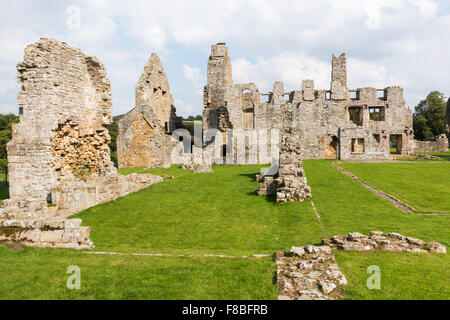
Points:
[[388, 42]]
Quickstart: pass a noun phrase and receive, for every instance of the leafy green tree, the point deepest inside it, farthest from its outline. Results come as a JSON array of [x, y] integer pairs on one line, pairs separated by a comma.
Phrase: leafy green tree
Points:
[[429, 116], [113, 132], [192, 118], [6, 122]]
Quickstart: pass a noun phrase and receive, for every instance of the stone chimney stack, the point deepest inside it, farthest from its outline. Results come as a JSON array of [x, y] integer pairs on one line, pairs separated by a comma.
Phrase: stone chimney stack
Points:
[[219, 66], [220, 77], [339, 78]]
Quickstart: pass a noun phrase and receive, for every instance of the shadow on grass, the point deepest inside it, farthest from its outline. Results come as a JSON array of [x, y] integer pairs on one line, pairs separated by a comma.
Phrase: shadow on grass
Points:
[[252, 176], [271, 199]]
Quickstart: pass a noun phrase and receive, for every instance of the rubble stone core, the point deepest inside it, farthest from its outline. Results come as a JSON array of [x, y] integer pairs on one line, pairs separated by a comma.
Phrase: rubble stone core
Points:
[[144, 133], [59, 151], [338, 123]]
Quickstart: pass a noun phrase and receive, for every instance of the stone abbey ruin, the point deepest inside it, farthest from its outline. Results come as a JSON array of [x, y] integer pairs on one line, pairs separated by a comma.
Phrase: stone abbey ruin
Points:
[[59, 151], [335, 124], [59, 158]]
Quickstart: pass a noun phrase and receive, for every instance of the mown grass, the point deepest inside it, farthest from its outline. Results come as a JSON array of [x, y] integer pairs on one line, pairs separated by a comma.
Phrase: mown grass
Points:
[[220, 213], [424, 186], [404, 276], [41, 274], [345, 206], [201, 213]]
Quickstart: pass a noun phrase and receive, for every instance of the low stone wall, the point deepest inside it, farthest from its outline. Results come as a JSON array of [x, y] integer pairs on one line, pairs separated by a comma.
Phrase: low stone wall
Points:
[[378, 240], [439, 144], [74, 196], [56, 233], [33, 223]]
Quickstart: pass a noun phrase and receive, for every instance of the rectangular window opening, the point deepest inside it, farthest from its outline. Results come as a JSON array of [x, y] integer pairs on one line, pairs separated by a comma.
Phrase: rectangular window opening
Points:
[[356, 115], [376, 113], [358, 145]]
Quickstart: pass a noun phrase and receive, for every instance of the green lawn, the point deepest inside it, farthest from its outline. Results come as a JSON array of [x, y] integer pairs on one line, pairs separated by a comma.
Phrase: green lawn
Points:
[[404, 276], [41, 274], [220, 214], [201, 213], [424, 186], [345, 206]]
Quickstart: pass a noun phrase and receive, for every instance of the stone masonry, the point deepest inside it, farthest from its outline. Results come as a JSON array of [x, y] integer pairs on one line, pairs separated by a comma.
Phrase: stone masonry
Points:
[[377, 240], [144, 133], [59, 150], [438, 144], [311, 272], [338, 123]]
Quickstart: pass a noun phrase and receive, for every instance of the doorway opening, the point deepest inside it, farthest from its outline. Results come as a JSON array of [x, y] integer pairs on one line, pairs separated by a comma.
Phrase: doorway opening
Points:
[[331, 148], [396, 144]]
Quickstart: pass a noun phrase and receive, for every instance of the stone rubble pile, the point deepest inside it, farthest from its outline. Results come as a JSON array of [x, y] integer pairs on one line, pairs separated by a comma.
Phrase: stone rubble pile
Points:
[[309, 273], [392, 242], [198, 162]]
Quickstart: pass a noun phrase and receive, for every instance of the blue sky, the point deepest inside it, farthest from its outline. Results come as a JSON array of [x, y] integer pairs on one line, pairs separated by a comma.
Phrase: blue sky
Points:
[[388, 42]]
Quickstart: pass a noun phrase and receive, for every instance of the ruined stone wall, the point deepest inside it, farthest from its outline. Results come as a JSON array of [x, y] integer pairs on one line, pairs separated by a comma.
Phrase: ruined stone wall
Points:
[[291, 182], [323, 116], [142, 141], [59, 150], [439, 144], [153, 91], [65, 104], [144, 132]]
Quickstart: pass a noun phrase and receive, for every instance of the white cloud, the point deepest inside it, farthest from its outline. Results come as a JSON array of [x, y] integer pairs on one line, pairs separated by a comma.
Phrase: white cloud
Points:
[[427, 8], [194, 76], [388, 42], [191, 74], [183, 108], [289, 67]]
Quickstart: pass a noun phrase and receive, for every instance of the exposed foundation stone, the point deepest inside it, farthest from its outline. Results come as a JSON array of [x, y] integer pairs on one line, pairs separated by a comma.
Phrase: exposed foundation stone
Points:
[[309, 273], [378, 240]]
